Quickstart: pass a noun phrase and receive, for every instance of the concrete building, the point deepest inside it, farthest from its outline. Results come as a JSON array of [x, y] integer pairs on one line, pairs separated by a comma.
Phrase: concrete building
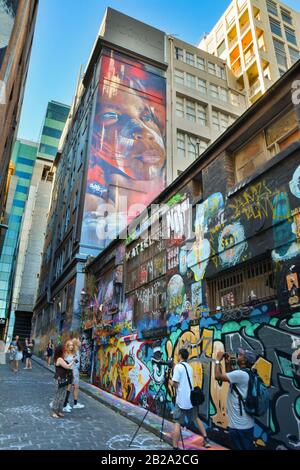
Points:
[[259, 40], [181, 100], [17, 23]]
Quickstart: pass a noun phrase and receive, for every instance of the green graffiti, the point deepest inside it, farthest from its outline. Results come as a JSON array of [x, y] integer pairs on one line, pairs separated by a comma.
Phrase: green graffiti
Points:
[[249, 327], [212, 409], [272, 427], [297, 407], [286, 366], [230, 327], [295, 319], [175, 200], [217, 333], [274, 321]]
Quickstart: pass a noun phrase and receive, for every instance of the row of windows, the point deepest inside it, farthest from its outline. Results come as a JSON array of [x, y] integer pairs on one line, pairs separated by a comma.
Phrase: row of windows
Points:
[[281, 54], [285, 14], [200, 63], [21, 189], [215, 91], [25, 161], [48, 149], [289, 33], [23, 174], [51, 132], [191, 110], [188, 146]]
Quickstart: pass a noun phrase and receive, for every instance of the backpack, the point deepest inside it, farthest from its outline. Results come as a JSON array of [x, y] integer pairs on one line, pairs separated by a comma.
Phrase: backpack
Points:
[[256, 402]]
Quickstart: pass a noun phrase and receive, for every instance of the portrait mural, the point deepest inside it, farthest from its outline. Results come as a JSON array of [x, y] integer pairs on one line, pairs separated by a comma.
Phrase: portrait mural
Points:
[[128, 151]]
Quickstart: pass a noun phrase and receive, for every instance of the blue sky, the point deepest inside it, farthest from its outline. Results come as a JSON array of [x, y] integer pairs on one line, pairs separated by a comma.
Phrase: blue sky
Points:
[[66, 31]]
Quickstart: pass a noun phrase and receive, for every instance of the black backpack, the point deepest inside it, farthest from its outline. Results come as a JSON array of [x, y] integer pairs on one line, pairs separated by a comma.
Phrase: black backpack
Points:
[[197, 396]]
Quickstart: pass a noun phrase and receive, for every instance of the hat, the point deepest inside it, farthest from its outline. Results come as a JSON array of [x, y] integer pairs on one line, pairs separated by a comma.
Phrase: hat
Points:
[[249, 355]]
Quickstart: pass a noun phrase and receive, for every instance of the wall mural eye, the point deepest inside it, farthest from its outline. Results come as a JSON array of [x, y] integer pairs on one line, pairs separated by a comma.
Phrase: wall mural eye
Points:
[[147, 117], [110, 117]]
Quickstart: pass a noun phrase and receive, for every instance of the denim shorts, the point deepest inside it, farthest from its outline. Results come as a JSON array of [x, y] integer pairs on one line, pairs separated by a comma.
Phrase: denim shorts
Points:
[[183, 417]]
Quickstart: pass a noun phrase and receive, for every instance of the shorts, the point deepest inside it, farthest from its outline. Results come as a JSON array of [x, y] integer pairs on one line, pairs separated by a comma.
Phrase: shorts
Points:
[[181, 416], [75, 377]]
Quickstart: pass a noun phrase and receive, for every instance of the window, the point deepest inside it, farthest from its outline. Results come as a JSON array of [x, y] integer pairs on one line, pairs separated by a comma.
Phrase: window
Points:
[[250, 156], [51, 132], [286, 16], [275, 27], [290, 35], [294, 55], [23, 174], [201, 115], [26, 161], [190, 80], [282, 132], [280, 54], [242, 286], [179, 53], [179, 107], [220, 72], [221, 49], [211, 68], [215, 121], [202, 86], [234, 98], [179, 77], [180, 145], [223, 94], [214, 92], [200, 63], [272, 7], [191, 110], [48, 149], [192, 148], [190, 58]]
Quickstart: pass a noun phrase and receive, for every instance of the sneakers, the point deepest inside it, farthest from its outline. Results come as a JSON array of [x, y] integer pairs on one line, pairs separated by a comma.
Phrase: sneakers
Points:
[[78, 406], [67, 409], [206, 442], [51, 404]]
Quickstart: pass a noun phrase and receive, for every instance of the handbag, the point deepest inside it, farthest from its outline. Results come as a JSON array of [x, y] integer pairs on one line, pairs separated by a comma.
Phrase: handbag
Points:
[[63, 382], [197, 396]]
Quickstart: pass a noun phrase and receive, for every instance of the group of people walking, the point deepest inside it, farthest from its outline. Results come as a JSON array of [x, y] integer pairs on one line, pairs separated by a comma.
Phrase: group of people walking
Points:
[[67, 364], [21, 351]]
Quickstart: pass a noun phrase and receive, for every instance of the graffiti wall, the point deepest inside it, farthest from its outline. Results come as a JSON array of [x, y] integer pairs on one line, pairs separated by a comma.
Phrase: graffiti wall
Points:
[[8, 10], [127, 156], [233, 281]]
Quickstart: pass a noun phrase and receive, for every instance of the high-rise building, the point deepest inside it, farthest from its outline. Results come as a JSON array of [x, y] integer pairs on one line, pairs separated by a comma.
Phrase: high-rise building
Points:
[[259, 40], [17, 23], [30, 192], [23, 158], [119, 151]]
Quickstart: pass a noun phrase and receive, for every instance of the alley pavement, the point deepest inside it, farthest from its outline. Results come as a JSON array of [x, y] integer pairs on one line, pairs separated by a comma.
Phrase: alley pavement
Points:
[[26, 423]]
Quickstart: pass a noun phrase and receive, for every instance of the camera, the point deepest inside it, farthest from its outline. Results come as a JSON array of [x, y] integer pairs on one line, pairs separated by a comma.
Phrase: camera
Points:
[[230, 361], [157, 359]]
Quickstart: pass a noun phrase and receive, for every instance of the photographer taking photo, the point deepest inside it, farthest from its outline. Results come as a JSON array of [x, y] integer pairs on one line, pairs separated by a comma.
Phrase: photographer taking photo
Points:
[[241, 424], [183, 382]]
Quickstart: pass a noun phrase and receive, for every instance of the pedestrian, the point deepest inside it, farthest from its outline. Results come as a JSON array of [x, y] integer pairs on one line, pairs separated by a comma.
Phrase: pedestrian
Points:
[[29, 344], [19, 355], [69, 357], [61, 381], [184, 410], [14, 349], [76, 368], [49, 352], [240, 425]]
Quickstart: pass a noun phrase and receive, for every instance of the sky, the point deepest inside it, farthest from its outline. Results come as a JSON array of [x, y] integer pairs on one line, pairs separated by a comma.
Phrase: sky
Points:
[[66, 31]]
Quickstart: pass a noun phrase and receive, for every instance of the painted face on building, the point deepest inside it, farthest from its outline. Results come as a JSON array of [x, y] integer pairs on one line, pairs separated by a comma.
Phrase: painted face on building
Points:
[[130, 134]]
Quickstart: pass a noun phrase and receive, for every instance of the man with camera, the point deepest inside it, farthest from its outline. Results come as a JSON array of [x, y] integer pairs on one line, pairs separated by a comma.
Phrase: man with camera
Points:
[[240, 425], [183, 382]]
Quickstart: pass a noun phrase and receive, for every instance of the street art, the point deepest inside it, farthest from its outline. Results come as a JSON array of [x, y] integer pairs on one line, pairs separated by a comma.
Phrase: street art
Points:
[[285, 239], [127, 156], [295, 183], [258, 222], [232, 244], [8, 11]]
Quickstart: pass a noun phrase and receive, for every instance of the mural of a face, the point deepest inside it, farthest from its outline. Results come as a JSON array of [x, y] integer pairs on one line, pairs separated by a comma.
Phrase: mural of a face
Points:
[[232, 244], [128, 151]]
